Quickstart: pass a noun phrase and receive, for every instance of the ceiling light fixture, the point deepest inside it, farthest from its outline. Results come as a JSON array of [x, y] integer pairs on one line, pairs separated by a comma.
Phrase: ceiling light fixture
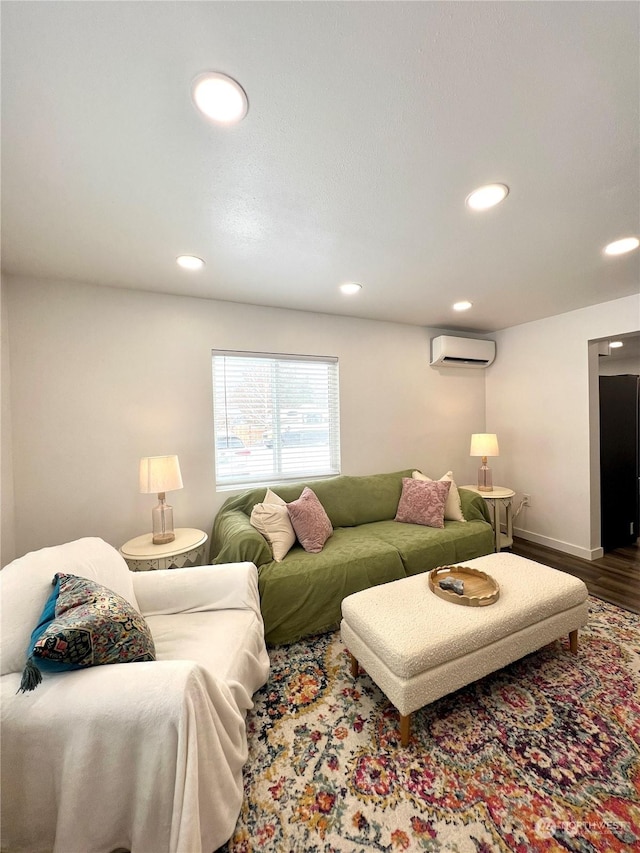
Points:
[[620, 247], [219, 97], [350, 288], [487, 196], [616, 344], [190, 262], [462, 306]]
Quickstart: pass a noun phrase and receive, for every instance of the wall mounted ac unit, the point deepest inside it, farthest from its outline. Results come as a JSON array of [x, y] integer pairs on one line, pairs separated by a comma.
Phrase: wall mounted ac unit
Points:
[[448, 351]]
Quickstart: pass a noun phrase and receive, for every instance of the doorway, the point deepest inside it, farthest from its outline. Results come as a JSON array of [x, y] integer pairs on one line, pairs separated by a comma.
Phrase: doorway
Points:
[[619, 415]]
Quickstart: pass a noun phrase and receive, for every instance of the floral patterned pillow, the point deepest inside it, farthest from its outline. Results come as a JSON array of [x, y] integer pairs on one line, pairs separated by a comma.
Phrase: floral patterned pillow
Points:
[[422, 502], [453, 506], [310, 521], [85, 624]]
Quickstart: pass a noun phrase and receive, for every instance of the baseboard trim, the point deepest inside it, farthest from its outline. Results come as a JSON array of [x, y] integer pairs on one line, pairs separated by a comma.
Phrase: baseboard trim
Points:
[[559, 545]]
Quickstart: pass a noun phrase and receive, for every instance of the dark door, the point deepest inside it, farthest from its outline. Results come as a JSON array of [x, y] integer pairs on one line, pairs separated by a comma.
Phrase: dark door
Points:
[[619, 460]]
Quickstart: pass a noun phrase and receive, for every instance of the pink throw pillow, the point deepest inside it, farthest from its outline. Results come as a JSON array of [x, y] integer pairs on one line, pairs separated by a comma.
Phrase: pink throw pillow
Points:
[[423, 503], [310, 521]]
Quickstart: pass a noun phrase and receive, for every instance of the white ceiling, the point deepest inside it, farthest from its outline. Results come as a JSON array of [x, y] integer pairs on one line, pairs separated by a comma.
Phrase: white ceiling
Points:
[[368, 125]]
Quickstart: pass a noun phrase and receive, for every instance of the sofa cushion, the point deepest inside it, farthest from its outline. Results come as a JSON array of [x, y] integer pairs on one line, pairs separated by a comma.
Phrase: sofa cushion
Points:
[[310, 521], [422, 503], [302, 595], [231, 645], [85, 624], [453, 507], [271, 518], [423, 548]]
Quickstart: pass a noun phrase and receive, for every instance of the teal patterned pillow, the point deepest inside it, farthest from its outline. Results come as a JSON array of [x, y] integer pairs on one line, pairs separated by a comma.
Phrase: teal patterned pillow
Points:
[[84, 624]]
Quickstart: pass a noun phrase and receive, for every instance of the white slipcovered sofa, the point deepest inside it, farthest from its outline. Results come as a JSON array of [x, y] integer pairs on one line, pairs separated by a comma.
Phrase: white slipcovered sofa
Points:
[[146, 756]]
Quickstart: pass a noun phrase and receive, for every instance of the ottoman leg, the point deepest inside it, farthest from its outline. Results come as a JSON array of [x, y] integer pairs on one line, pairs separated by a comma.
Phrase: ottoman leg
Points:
[[573, 642], [405, 723], [354, 665]]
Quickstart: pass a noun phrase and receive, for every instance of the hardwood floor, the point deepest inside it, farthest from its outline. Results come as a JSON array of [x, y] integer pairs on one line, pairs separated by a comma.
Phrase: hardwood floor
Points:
[[615, 578]]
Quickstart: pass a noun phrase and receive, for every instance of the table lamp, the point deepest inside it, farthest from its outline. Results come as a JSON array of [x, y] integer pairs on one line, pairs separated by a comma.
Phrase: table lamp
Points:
[[484, 444], [161, 474]]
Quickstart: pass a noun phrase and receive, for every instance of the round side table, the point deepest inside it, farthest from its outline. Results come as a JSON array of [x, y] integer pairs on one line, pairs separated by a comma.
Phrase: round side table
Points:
[[499, 494], [187, 549]]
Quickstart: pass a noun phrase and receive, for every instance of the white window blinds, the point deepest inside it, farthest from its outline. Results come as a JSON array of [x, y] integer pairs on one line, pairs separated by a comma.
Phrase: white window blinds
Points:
[[276, 417]]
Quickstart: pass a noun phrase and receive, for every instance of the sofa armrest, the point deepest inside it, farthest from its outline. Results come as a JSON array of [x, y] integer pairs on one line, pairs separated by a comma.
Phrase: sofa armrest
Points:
[[234, 540], [200, 588], [474, 506]]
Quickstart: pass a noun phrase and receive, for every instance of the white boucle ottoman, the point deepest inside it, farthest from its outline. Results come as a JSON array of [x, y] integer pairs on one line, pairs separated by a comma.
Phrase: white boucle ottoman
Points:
[[418, 647]]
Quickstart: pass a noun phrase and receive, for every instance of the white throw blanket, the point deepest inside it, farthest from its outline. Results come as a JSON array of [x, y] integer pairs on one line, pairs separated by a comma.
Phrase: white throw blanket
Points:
[[142, 756]]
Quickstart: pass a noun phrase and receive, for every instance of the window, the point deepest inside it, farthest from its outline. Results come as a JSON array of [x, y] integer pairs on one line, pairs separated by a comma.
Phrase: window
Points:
[[276, 417]]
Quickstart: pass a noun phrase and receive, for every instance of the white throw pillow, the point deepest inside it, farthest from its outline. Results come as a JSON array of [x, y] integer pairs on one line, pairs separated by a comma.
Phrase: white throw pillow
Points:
[[453, 507], [271, 518]]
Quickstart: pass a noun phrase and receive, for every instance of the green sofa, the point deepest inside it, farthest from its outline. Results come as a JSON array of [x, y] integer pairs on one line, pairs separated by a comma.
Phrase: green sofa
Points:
[[302, 594]]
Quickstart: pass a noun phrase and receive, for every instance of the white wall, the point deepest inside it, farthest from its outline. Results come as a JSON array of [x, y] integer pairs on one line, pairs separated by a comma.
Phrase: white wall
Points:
[[618, 366], [7, 537], [103, 376], [542, 403]]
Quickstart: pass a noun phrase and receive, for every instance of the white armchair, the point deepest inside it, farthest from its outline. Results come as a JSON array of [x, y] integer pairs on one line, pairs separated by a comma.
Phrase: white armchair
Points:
[[145, 757]]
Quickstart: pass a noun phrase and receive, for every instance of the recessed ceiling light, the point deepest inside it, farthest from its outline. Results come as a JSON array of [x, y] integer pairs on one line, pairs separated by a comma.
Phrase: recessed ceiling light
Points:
[[350, 288], [219, 97], [190, 262], [619, 247], [487, 196], [616, 344], [462, 306]]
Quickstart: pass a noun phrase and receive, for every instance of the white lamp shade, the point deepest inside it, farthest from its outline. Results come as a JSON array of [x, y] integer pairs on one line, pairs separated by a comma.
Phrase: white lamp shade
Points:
[[160, 474], [484, 444]]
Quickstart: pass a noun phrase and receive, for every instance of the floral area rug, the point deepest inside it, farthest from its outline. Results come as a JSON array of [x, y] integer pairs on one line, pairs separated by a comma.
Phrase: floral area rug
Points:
[[542, 755]]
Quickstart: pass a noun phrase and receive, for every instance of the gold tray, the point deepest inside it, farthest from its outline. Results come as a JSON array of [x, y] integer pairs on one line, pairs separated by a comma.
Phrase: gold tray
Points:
[[480, 589]]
